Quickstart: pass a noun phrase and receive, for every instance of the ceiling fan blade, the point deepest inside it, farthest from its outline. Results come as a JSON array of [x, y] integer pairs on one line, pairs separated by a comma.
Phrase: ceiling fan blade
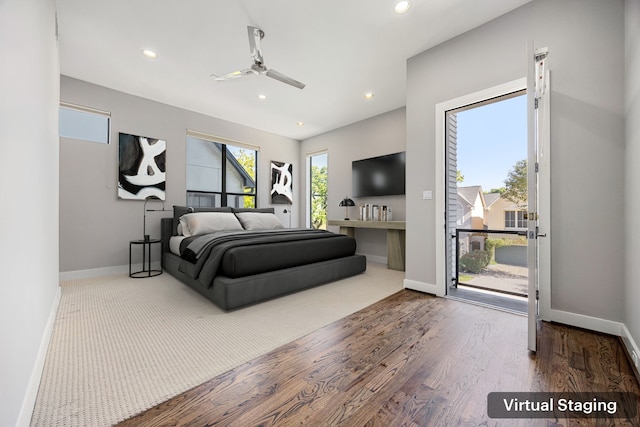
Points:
[[235, 74], [285, 79], [255, 35]]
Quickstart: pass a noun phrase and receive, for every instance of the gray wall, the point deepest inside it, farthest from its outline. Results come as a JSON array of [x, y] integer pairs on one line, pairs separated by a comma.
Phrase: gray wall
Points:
[[632, 156], [587, 139], [485, 57], [29, 191], [95, 226], [383, 134]]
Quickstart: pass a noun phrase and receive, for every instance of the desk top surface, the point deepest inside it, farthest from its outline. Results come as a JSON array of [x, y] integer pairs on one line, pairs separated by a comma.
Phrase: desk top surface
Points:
[[389, 225]]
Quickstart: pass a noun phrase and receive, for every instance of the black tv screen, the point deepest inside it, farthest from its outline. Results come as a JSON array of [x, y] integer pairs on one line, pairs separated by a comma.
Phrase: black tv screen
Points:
[[379, 176]]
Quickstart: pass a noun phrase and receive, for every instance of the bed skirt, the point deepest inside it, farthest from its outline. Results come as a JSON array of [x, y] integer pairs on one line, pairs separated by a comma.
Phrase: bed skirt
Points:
[[230, 294]]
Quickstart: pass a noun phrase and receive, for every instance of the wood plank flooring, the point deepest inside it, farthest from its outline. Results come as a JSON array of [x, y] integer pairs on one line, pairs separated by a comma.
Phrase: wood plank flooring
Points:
[[408, 360]]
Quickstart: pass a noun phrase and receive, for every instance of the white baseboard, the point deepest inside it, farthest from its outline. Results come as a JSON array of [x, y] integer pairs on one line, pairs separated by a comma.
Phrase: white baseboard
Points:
[[629, 343], [29, 402], [376, 258], [578, 320], [599, 325], [586, 322], [423, 287], [104, 271]]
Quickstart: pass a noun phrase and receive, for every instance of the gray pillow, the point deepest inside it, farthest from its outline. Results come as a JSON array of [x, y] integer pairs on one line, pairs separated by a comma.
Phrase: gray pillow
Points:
[[178, 211], [259, 221], [197, 223]]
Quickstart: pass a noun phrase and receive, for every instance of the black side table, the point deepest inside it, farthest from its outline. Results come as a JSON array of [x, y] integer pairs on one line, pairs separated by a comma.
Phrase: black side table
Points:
[[146, 258]]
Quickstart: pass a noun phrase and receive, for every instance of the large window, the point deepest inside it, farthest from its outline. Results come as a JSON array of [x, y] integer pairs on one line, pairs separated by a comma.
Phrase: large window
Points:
[[515, 219], [220, 174], [84, 123], [318, 191]]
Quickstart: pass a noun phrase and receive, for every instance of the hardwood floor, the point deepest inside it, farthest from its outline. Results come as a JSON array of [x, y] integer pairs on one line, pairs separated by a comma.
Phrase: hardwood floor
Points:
[[410, 360]]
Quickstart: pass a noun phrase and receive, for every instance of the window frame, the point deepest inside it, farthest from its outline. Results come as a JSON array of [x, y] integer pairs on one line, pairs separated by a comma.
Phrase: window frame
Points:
[[223, 194], [309, 189], [85, 111], [519, 219]]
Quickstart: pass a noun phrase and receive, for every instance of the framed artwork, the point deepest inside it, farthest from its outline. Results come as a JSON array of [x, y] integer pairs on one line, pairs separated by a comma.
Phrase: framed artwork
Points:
[[281, 183], [141, 167]]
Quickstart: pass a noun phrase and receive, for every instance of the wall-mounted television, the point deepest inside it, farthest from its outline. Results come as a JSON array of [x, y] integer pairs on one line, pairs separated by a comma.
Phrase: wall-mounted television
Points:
[[379, 176]]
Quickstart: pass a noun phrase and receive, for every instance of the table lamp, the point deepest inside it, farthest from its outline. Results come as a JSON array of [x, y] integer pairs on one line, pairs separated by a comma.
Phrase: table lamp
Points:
[[346, 202]]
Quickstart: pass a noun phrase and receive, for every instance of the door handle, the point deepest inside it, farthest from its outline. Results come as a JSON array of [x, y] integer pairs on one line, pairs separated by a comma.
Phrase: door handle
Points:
[[533, 235]]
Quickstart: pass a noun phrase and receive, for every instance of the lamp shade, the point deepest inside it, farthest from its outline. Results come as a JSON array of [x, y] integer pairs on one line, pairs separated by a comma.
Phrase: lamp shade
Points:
[[346, 202]]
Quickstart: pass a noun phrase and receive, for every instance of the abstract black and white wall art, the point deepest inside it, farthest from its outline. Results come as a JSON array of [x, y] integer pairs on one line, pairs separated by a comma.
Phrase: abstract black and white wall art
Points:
[[141, 171], [281, 183]]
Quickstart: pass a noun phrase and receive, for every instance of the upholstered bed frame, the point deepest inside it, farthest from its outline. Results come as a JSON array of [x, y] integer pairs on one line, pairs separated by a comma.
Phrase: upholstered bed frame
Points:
[[232, 293]]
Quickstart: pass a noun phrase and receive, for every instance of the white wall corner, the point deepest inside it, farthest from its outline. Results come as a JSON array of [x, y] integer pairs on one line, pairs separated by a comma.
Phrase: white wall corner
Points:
[[29, 402], [423, 287]]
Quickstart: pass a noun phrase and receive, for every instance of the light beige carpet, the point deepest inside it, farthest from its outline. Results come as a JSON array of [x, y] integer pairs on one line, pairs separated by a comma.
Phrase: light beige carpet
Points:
[[121, 345]]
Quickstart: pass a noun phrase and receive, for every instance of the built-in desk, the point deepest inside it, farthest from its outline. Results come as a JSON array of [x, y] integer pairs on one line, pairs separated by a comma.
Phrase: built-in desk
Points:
[[395, 237]]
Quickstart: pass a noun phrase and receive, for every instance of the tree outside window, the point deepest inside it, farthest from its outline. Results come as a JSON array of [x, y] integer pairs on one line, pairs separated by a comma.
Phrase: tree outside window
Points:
[[317, 192]]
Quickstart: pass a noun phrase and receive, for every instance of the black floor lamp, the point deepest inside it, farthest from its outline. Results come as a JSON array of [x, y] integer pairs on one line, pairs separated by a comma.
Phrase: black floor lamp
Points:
[[144, 215]]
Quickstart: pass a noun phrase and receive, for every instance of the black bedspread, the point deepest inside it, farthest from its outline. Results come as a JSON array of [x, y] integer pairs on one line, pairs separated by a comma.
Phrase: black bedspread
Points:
[[243, 253]]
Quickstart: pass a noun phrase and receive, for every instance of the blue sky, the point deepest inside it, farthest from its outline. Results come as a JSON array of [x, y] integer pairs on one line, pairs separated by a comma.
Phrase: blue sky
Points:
[[320, 160], [491, 139]]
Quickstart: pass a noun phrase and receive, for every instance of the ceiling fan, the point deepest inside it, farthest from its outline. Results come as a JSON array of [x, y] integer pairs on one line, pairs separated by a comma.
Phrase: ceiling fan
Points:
[[258, 67]]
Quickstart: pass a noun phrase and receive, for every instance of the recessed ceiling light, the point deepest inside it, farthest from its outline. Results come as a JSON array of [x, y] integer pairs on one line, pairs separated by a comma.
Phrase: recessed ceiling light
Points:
[[401, 7], [369, 95], [262, 96], [300, 123], [149, 53]]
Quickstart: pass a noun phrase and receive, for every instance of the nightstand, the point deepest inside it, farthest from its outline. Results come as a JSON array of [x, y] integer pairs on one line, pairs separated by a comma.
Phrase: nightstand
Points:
[[146, 259]]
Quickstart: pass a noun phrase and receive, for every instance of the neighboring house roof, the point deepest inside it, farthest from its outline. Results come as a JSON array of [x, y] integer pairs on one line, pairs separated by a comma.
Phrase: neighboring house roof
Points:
[[248, 180], [491, 198], [469, 194]]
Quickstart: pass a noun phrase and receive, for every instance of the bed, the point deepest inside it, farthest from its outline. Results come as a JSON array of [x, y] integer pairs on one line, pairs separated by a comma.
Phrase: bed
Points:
[[237, 257]]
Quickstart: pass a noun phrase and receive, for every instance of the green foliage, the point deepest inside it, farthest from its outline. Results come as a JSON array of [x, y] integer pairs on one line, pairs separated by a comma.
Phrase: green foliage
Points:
[[500, 191], [248, 162], [459, 176], [319, 197], [491, 244], [474, 261], [516, 184], [462, 278]]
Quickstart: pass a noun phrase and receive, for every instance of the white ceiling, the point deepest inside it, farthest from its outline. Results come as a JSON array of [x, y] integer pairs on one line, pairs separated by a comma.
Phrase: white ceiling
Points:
[[340, 49]]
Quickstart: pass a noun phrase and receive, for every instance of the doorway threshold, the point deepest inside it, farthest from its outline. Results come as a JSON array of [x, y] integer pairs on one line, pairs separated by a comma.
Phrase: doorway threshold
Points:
[[511, 304]]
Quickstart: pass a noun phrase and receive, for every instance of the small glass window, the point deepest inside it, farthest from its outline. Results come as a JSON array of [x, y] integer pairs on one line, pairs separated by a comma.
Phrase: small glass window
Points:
[[84, 124], [515, 219]]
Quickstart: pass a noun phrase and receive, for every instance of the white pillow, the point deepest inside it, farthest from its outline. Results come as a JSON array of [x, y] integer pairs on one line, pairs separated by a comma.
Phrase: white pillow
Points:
[[259, 221], [194, 224]]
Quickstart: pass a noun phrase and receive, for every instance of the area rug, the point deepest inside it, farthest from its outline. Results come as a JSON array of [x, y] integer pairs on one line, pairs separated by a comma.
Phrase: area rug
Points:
[[121, 345]]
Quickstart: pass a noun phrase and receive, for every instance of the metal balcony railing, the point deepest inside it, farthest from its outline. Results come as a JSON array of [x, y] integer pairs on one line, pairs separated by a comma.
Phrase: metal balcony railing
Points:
[[502, 269]]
